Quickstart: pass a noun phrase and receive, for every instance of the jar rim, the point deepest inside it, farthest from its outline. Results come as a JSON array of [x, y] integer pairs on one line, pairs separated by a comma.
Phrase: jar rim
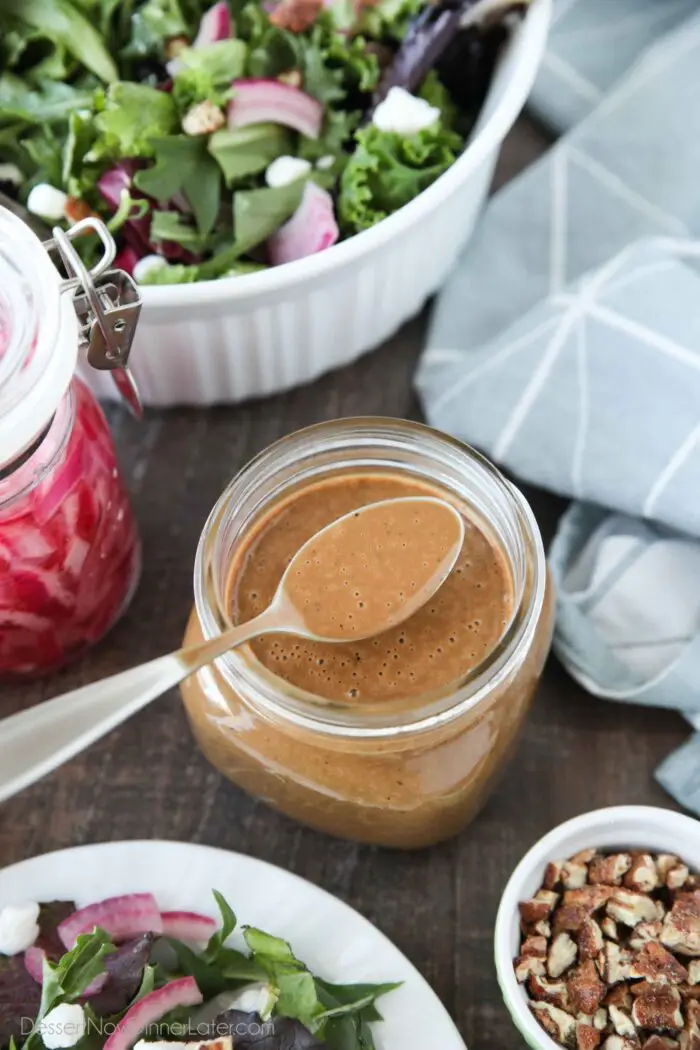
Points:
[[260, 688], [39, 347]]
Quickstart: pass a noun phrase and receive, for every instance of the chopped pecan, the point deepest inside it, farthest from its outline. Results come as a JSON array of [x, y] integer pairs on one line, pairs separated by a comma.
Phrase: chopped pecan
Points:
[[562, 953], [570, 918], [609, 928], [658, 965], [534, 946], [587, 1037], [296, 15], [586, 990], [554, 992], [660, 1042], [547, 895], [618, 1042], [557, 1023], [658, 1009], [643, 933], [681, 928], [622, 1022], [619, 996], [676, 877], [77, 209], [609, 870], [574, 875], [694, 972], [291, 77], [175, 45], [642, 876], [202, 119], [537, 908], [690, 1036], [584, 856], [613, 963], [578, 905], [526, 966], [631, 908], [552, 874], [664, 863], [590, 939]]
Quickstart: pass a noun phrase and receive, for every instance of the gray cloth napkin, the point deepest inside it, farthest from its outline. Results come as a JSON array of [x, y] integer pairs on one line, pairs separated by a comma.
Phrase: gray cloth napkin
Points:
[[567, 346]]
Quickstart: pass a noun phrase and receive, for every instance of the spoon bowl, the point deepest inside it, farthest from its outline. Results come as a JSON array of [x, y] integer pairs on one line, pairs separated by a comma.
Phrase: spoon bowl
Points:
[[359, 576], [367, 571]]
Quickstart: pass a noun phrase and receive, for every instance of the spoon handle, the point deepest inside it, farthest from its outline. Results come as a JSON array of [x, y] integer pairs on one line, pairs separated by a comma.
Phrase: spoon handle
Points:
[[37, 740]]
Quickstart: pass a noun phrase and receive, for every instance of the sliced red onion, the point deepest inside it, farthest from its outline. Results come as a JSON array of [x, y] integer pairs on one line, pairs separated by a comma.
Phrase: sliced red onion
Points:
[[214, 26], [135, 233], [188, 926], [312, 228], [126, 260], [261, 101], [121, 917], [34, 959], [183, 992], [34, 963]]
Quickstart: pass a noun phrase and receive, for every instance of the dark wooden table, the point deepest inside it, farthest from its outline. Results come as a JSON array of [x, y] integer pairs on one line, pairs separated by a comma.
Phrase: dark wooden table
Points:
[[146, 779]]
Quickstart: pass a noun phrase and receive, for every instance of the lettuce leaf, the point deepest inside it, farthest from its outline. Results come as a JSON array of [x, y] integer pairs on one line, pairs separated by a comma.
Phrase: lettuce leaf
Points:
[[388, 170], [134, 115], [208, 72], [183, 164], [240, 152], [62, 22], [153, 23]]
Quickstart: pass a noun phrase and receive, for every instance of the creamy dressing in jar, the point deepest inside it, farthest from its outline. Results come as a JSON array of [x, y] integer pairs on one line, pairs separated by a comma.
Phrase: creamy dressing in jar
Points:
[[398, 739]]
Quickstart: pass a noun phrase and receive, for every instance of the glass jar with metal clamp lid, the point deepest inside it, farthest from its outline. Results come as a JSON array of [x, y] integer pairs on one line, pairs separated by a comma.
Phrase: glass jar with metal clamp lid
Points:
[[70, 553]]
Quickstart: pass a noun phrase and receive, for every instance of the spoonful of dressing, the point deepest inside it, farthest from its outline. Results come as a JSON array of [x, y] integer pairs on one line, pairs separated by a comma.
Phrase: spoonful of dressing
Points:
[[361, 575]]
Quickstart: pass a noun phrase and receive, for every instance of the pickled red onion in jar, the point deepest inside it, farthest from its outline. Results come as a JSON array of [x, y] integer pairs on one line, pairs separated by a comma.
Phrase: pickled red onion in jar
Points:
[[69, 547]]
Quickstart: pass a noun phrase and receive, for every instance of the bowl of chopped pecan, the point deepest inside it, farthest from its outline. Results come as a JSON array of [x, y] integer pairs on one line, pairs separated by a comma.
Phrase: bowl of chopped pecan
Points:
[[597, 939]]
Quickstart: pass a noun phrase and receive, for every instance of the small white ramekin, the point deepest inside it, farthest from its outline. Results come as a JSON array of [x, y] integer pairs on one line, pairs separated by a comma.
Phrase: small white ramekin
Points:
[[620, 827], [242, 337]]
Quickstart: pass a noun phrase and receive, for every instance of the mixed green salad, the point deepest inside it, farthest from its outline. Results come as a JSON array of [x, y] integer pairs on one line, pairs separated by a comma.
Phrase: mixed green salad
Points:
[[120, 974], [218, 140]]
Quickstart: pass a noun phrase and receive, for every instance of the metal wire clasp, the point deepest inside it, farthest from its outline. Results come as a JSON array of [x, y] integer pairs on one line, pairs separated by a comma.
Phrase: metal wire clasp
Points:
[[107, 303]]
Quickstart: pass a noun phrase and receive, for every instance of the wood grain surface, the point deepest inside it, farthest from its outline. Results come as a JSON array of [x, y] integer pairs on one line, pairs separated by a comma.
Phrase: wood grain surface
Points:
[[146, 780]]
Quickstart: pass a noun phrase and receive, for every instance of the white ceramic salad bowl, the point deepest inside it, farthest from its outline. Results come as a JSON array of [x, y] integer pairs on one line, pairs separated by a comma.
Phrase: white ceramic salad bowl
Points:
[[619, 827], [242, 337]]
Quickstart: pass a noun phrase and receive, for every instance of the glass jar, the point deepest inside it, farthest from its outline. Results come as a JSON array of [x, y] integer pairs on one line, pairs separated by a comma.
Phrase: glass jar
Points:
[[69, 546], [396, 773]]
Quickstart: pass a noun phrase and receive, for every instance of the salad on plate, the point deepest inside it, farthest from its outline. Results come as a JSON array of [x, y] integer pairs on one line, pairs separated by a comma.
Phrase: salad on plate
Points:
[[121, 974], [219, 140]]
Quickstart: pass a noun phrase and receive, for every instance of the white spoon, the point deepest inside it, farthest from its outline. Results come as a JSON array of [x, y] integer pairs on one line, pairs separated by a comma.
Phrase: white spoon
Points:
[[363, 574]]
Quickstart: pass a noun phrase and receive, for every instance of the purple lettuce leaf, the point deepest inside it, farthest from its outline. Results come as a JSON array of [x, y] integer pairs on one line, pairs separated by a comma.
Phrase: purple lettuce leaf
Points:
[[124, 973], [51, 915], [20, 997], [279, 1033]]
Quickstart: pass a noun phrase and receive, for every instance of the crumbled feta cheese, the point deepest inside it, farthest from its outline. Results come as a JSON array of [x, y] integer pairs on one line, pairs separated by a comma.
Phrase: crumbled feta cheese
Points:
[[11, 173], [19, 927], [255, 999], [63, 1027], [324, 163], [285, 170], [47, 202], [202, 119], [147, 265], [404, 113]]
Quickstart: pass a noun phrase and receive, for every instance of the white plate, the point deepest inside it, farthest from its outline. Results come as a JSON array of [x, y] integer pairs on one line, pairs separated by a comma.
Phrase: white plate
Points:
[[329, 936]]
